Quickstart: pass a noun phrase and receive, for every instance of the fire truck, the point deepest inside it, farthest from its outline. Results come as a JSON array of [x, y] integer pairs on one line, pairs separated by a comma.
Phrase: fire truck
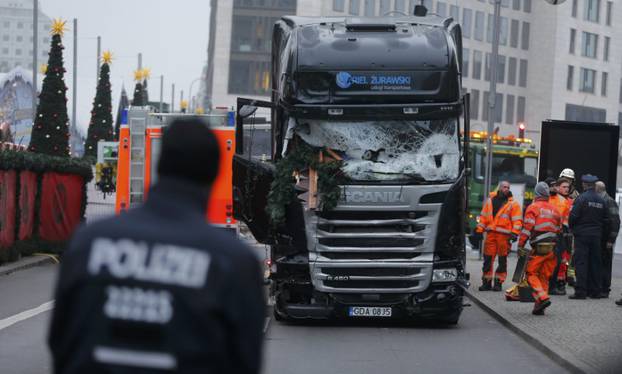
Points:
[[513, 159], [140, 144]]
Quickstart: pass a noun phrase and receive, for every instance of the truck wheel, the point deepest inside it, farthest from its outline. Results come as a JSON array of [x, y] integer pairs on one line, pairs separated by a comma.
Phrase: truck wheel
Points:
[[451, 318]]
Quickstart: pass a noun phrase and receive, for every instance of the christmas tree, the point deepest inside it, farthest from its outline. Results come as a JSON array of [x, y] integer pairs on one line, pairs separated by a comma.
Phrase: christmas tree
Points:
[[50, 132], [146, 76], [100, 127], [138, 99], [123, 104]]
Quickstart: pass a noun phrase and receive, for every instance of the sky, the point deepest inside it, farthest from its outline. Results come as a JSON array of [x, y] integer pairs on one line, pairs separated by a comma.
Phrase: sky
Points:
[[172, 36]]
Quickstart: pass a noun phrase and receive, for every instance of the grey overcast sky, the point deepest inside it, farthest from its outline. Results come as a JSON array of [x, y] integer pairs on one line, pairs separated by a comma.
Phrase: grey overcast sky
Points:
[[172, 35]]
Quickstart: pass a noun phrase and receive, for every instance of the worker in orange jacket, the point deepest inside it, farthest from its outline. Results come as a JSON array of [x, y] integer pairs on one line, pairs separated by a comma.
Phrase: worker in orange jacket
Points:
[[557, 284], [542, 225], [501, 219], [564, 187]]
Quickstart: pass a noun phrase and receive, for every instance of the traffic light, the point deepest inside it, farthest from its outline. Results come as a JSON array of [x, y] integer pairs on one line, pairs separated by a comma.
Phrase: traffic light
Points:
[[521, 130]]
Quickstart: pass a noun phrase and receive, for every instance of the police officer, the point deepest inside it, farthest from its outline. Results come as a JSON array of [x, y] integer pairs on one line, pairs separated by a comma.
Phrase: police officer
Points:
[[157, 288], [587, 219], [608, 239]]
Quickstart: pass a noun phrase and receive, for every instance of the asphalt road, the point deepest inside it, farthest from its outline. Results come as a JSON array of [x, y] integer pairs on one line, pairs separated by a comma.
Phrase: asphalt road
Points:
[[478, 344]]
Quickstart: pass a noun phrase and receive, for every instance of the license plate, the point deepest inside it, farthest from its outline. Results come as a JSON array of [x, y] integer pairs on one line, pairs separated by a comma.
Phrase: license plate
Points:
[[368, 311]]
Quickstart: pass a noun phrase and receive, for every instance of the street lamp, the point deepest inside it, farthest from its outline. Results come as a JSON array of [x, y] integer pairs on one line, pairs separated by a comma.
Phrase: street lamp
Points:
[[191, 110]]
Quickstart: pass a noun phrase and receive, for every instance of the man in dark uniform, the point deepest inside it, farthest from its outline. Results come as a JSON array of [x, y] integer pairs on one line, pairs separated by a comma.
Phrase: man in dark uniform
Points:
[[610, 234], [157, 288], [588, 217]]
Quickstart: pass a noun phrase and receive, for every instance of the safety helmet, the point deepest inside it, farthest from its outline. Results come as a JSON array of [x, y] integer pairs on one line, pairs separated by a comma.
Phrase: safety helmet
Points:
[[567, 173]]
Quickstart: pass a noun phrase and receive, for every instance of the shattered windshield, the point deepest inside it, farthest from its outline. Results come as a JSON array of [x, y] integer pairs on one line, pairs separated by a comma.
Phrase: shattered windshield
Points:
[[424, 151]]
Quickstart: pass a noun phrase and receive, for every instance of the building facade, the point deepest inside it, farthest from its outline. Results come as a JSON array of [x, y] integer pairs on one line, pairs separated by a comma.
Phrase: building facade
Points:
[[555, 61], [16, 35]]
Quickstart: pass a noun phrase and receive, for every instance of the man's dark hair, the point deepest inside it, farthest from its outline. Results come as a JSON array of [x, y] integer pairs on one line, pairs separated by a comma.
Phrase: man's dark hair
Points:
[[189, 151]]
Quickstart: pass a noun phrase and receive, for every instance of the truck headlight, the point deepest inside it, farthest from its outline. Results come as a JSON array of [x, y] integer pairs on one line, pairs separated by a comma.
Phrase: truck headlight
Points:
[[444, 275]]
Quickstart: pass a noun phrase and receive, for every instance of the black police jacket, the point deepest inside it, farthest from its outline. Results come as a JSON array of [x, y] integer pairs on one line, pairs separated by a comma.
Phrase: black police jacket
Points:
[[158, 290], [589, 214]]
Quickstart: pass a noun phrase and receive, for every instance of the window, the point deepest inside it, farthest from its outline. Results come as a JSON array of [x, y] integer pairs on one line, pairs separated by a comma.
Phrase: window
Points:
[[370, 8], [570, 78], [5, 51], [503, 31], [454, 12], [527, 6], [474, 104], [5, 38], [505, 3], [467, 23], [355, 6], [489, 28], [516, 4], [19, 38], [487, 67], [6, 24], [609, 8], [520, 109], [585, 113], [339, 5], [603, 84], [574, 8], [479, 26], [251, 34], [509, 109], [589, 44], [522, 73], [606, 49], [586, 84], [465, 62], [385, 7], [399, 5], [477, 65], [591, 11], [441, 9], [512, 71], [524, 43], [499, 108], [573, 37], [249, 77], [501, 69], [20, 25], [514, 34], [485, 106], [18, 52]]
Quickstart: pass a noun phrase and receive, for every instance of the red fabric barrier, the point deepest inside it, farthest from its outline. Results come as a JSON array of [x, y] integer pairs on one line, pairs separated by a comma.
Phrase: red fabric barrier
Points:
[[60, 209], [27, 195], [7, 207]]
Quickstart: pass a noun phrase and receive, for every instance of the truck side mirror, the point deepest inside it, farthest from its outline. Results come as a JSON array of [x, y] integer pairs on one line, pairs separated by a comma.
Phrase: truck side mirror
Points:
[[247, 111]]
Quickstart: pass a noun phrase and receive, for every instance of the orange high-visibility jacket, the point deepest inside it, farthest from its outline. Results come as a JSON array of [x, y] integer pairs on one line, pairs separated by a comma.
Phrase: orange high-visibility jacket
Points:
[[563, 206], [507, 221], [542, 221]]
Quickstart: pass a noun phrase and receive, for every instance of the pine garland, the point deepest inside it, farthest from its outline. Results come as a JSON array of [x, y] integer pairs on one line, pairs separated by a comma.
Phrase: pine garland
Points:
[[282, 191]]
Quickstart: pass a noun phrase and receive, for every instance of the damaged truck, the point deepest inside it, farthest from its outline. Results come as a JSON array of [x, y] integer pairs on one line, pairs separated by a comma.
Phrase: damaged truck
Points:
[[358, 187]]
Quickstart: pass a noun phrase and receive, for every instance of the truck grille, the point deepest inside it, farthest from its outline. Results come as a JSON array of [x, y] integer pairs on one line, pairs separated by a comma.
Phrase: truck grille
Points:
[[370, 251]]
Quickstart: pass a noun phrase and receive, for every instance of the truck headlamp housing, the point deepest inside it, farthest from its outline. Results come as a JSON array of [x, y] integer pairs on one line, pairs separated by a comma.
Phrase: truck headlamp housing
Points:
[[444, 275]]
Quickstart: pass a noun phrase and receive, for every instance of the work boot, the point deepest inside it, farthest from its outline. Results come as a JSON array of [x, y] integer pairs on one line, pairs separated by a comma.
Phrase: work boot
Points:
[[497, 286], [486, 286], [538, 308], [577, 296], [571, 281]]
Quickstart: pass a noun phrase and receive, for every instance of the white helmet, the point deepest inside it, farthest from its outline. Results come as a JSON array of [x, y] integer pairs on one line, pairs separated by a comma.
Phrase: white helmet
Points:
[[567, 173]]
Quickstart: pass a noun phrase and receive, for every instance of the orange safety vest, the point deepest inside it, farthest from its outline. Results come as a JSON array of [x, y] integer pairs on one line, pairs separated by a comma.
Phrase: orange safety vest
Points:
[[507, 221], [563, 206], [542, 221]]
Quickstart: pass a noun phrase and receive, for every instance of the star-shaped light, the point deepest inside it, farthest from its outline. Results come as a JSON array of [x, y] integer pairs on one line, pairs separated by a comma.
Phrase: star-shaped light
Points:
[[58, 27], [146, 73], [183, 104], [107, 57], [43, 68], [138, 75]]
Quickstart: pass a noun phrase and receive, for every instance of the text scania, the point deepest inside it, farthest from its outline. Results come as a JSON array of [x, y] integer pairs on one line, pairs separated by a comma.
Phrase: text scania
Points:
[[372, 197]]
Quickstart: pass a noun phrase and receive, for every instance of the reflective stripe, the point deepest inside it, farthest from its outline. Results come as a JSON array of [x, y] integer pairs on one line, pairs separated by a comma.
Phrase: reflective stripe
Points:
[[504, 216], [516, 217], [141, 359], [502, 230], [543, 236], [526, 232], [546, 224], [529, 220], [486, 214]]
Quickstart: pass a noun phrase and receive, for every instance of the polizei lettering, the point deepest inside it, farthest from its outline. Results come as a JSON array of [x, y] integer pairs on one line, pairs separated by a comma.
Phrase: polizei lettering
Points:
[[372, 197], [163, 263]]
